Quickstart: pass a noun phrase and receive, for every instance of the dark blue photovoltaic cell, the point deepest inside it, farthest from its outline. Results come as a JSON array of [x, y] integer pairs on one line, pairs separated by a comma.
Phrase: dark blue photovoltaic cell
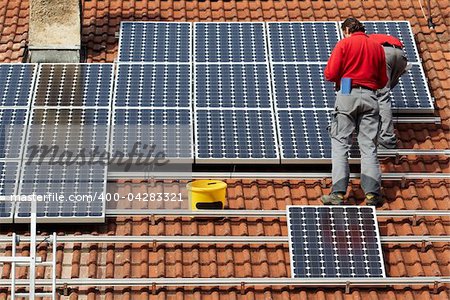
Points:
[[150, 85], [302, 86], [8, 179], [304, 134], [334, 242], [232, 85], [74, 85], [412, 91], [12, 131], [77, 131], [16, 84], [64, 179], [399, 29], [235, 134], [302, 41], [137, 130], [155, 42], [230, 42]]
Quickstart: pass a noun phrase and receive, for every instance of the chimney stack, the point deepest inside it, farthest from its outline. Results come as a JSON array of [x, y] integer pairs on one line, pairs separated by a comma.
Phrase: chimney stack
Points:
[[54, 34]]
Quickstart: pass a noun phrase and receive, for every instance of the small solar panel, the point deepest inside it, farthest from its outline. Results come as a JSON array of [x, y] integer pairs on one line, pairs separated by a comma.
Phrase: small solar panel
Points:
[[334, 242], [236, 136], [16, 84], [400, 29], [230, 42], [74, 85], [302, 41], [302, 86], [12, 132], [304, 136], [155, 42], [73, 133], [153, 85], [232, 85], [74, 192], [412, 93], [152, 131]]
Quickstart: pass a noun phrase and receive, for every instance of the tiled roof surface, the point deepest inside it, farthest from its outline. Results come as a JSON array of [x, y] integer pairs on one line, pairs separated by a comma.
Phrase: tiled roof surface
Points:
[[101, 21]]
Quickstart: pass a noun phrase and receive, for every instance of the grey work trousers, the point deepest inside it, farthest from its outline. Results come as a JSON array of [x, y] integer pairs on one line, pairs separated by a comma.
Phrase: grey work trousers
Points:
[[357, 111], [396, 63]]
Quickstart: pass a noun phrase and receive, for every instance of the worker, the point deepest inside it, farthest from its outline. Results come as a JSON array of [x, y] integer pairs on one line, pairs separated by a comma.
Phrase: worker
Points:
[[397, 64], [360, 63]]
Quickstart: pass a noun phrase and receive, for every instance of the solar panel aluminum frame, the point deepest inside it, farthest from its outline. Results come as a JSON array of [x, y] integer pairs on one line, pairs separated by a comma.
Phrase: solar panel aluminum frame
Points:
[[32, 86], [111, 90], [233, 161], [269, 41], [116, 80], [65, 219], [194, 36], [175, 160], [377, 229], [294, 161], [191, 53]]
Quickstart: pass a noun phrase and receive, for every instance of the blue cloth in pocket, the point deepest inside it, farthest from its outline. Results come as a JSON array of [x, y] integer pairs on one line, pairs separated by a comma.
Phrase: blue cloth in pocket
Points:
[[346, 86]]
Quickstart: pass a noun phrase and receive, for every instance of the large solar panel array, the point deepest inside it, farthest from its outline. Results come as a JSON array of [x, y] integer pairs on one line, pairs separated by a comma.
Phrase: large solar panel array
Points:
[[334, 242], [234, 122], [16, 89]]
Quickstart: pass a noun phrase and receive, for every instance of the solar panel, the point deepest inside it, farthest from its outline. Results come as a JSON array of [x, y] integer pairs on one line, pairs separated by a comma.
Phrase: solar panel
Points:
[[302, 41], [153, 85], [235, 136], [69, 132], [12, 132], [167, 131], [304, 136], [229, 42], [16, 84], [74, 85], [412, 93], [74, 192], [155, 42], [399, 29], [302, 86], [334, 242], [232, 85]]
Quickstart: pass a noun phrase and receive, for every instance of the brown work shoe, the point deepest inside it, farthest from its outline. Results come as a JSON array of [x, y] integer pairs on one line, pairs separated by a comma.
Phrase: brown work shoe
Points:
[[373, 199], [333, 199]]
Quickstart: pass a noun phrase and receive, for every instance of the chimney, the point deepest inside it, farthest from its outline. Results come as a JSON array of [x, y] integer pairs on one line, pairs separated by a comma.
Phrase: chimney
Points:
[[54, 34]]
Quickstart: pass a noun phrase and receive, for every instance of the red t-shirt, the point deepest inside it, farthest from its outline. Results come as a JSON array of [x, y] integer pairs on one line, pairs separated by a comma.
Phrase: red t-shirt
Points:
[[386, 39], [359, 58]]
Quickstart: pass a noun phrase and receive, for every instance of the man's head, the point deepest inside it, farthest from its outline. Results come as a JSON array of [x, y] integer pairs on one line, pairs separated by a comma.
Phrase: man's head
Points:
[[352, 25]]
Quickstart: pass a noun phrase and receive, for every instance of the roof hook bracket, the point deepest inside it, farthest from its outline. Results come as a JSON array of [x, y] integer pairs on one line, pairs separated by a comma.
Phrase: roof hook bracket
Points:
[[323, 183], [153, 288], [242, 288], [424, 246], [347, 287], [152, 220], [403, 182], [414, 220], [154, 243], [435, 287]]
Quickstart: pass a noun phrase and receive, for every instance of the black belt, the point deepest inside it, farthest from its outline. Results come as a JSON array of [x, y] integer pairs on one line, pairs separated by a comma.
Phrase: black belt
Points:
[[393, 46], [363, 87]]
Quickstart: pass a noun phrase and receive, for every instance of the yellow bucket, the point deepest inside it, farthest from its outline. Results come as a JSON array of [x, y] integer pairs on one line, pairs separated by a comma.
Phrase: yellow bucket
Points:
[[207, 194]]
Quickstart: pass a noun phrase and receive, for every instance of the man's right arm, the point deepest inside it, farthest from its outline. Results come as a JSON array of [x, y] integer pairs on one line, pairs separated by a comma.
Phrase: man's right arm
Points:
[[333, 69]]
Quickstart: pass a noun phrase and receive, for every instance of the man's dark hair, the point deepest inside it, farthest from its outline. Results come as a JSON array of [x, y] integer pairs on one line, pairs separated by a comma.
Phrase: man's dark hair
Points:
[[353, 25]]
